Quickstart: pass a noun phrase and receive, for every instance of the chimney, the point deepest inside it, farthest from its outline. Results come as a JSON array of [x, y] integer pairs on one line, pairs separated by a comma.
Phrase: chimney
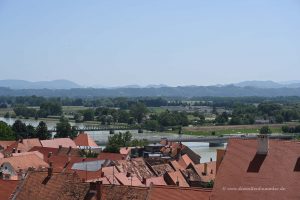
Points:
[[59, 147], [205, 168], [177, 182], [144, 180], [128, 174], [49, 154], [263, 144], [14, 150], [210, 159], [50, 169], [98, 189]]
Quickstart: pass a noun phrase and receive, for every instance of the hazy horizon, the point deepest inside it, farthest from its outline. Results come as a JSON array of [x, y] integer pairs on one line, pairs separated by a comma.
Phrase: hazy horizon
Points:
[[120, 43]]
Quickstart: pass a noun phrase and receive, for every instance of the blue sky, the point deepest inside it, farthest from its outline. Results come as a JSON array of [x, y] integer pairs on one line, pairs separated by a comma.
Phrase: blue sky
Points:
[[174, 42]]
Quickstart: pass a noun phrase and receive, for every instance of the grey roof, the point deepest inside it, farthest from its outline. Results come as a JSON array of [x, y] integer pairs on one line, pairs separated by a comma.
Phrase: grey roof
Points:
[[90, 165]]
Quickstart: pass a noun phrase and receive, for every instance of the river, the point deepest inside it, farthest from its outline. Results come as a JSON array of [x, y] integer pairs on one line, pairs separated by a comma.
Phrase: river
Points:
[[200, 148]]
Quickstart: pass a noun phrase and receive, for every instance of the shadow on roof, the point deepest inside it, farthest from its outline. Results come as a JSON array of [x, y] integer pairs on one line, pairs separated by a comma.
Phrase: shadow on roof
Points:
[[256, 163]]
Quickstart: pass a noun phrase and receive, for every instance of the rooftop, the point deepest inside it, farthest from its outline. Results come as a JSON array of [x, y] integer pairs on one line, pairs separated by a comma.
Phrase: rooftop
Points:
[[24, 162], [7, 188], [84, 139], [243, 168], [56, 142], [38, 185]]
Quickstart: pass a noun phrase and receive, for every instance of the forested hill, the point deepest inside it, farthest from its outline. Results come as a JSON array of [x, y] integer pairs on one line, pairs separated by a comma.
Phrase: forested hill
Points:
[[186, 91]]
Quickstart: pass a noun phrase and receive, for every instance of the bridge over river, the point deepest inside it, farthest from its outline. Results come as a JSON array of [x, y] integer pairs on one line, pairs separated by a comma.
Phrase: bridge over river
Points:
[[212, 140]]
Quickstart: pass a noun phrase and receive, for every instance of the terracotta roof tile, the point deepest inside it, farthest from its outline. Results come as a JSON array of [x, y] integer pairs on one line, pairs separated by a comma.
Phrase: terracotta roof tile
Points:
[[22, 146], [24, 162], [136, 166], [178, 193], [176, 166], [155, 181], [61, 186], [56, 142], [56, 151], [110, 156], [37, 153], [177, 176], [128, 180], [7, 188], [162, 169], [121, 192], [5, 144], [276, 171], [210, 174], [84, 139], [109, 170]]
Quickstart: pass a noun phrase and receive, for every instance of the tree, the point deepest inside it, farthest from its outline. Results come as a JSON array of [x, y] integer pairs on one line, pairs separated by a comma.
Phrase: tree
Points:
[[19, 128], [88, 115], [138, 111], [222, 119], [30, 132], [265, 130], [285, 129], [64, 129], [151, 125], [6, 132], [50, 108], [118, 140], [42, 131]]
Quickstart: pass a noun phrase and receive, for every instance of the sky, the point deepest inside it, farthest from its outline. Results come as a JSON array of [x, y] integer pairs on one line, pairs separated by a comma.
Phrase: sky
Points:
[[173, 42]]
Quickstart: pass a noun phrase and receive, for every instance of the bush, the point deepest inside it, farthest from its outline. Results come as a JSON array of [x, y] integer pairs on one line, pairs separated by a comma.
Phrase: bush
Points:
[[265, 130]]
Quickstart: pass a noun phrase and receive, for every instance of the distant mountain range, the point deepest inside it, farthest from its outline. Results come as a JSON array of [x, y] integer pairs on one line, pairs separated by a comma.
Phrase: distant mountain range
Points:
[[64, 88], [66, 84], [55, 84], [269, 84]]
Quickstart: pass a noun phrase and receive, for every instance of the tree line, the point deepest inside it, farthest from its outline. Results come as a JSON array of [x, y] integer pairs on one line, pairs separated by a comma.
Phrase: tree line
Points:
[[19, 130]]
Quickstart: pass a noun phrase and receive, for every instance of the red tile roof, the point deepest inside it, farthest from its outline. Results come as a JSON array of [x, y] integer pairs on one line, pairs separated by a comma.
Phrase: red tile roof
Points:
[[84, 139], [110, 156], [56, 142], [56, 151], [131, 180], [155, 181], [61, 186], [176, 166], [162, 169], [210, 171], [177, 176], [5, 144], [24, 162], [109, 170], [234, 180], [121, 192], [40, 155], [178, 193], [22, 146], [136, 166], [7, 188]]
